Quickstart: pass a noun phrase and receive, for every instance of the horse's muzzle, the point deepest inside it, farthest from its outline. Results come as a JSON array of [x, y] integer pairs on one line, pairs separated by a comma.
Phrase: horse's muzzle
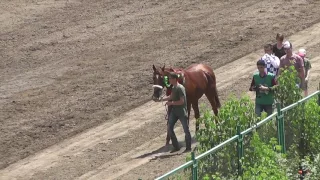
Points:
[[157, 87], [157, 92]]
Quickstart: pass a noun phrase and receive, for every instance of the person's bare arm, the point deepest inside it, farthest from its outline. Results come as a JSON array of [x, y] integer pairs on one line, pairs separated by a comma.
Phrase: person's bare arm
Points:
[[274, 84], [308, 75], [301, 71], [167, 98], [251, 88], [280, 66]]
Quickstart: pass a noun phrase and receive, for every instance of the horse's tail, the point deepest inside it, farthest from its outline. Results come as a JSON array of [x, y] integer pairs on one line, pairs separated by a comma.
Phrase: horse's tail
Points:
[[212, 80], [216, 97]]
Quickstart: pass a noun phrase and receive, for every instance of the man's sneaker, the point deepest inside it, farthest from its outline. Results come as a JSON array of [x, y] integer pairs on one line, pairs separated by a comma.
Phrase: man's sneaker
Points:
[[187, 150]]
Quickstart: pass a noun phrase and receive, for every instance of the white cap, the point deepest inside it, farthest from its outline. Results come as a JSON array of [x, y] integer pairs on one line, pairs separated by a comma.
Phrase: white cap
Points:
[[287, 45]]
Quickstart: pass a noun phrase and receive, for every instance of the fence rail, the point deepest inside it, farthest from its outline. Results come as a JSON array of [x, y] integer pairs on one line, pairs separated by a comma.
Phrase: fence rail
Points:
[[239, 138]]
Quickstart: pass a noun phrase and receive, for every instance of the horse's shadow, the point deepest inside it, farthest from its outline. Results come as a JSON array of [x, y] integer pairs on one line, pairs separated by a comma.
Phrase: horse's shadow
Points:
[[165, 149]]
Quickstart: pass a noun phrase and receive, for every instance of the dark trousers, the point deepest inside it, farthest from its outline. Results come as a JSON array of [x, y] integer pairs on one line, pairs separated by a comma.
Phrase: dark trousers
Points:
[[168, 133], [184, 121], [267, 108]]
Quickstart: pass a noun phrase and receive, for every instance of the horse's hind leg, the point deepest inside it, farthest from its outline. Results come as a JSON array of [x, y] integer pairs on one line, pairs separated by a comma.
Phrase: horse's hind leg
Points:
[[195, 107], [212, 101], [212, 94], [188, 109]]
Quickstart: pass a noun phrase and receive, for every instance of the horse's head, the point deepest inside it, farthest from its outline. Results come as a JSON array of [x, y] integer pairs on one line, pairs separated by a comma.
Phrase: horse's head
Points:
[[160, 81]]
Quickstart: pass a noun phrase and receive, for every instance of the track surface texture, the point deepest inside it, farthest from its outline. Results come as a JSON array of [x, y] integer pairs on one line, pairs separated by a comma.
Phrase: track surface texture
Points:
[[76, 76]]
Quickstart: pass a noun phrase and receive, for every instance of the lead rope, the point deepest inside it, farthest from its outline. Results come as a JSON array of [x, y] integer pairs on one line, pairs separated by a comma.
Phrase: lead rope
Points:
[[165, 106]]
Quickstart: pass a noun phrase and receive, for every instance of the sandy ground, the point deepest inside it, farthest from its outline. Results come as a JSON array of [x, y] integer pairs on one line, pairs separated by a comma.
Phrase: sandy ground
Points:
[[76, 76]]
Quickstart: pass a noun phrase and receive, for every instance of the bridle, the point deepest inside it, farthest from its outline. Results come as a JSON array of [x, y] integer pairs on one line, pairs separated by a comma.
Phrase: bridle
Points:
[[167, 85], [165, 81]]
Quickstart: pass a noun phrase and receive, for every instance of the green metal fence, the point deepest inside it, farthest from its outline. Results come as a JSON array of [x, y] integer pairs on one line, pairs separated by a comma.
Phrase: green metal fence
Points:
[[193, 164]]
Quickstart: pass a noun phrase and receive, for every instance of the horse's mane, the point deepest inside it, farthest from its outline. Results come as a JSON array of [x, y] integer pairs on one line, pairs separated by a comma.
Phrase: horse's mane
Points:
[[173, 69], [167, 70]]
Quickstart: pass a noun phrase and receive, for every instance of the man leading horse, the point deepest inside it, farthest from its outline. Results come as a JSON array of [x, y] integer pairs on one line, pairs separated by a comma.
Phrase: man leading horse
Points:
[[178, 101], [198, 79]]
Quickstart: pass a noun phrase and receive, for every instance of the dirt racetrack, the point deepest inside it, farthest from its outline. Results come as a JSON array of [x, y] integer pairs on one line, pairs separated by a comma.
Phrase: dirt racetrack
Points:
[[71, 65]]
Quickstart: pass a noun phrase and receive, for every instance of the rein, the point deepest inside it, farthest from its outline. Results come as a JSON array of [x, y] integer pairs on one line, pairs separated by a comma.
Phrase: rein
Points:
[[165, 106]]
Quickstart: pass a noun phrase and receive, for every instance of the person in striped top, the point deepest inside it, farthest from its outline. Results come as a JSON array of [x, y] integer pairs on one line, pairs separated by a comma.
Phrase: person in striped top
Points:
[[272, 62]]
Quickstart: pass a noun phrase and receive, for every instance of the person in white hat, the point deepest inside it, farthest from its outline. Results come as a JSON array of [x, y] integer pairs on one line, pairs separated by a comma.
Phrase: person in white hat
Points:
[[293, 59], [307, 66]]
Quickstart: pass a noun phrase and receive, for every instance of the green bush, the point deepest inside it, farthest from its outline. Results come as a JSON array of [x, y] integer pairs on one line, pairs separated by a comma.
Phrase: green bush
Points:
[[302, 122], [263, 162], [287, 92], [314, 167], [310, 123], [262, 159], [234, 112]]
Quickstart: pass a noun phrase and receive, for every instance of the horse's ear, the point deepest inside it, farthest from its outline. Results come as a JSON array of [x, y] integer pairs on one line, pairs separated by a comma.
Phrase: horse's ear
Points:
[[154, 68], [163, 67]]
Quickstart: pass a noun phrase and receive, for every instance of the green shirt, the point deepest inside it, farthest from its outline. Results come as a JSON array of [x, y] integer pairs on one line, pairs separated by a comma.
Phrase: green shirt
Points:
[[177, 92], [307, 66], [264, 97]]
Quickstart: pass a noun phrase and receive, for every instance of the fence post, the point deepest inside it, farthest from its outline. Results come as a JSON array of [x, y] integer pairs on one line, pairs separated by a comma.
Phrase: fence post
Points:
[[239, 149], [194, 167], [278, 123], [280, 127], [319, 95]]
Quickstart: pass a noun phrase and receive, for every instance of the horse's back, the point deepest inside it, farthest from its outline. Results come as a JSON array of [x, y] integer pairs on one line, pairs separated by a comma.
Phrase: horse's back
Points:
[[197, 74], [202, 67]]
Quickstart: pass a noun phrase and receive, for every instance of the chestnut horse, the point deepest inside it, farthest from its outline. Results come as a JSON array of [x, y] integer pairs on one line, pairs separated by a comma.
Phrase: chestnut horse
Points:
[[198, 79]]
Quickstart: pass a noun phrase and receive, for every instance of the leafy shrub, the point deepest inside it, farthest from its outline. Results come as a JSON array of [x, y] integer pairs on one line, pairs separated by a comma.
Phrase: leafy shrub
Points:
[[261, 160], [301, 126], [314, 167], [234, 112], [311, 125], [302, 122], [287, 92]]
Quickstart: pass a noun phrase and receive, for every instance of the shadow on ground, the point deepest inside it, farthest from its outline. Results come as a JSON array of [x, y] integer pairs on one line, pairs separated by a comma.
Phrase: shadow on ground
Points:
[[165, 149]]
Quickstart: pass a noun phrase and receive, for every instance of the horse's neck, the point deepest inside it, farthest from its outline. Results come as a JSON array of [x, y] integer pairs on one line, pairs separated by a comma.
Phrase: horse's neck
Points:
[[178, 70], [182, 73]]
